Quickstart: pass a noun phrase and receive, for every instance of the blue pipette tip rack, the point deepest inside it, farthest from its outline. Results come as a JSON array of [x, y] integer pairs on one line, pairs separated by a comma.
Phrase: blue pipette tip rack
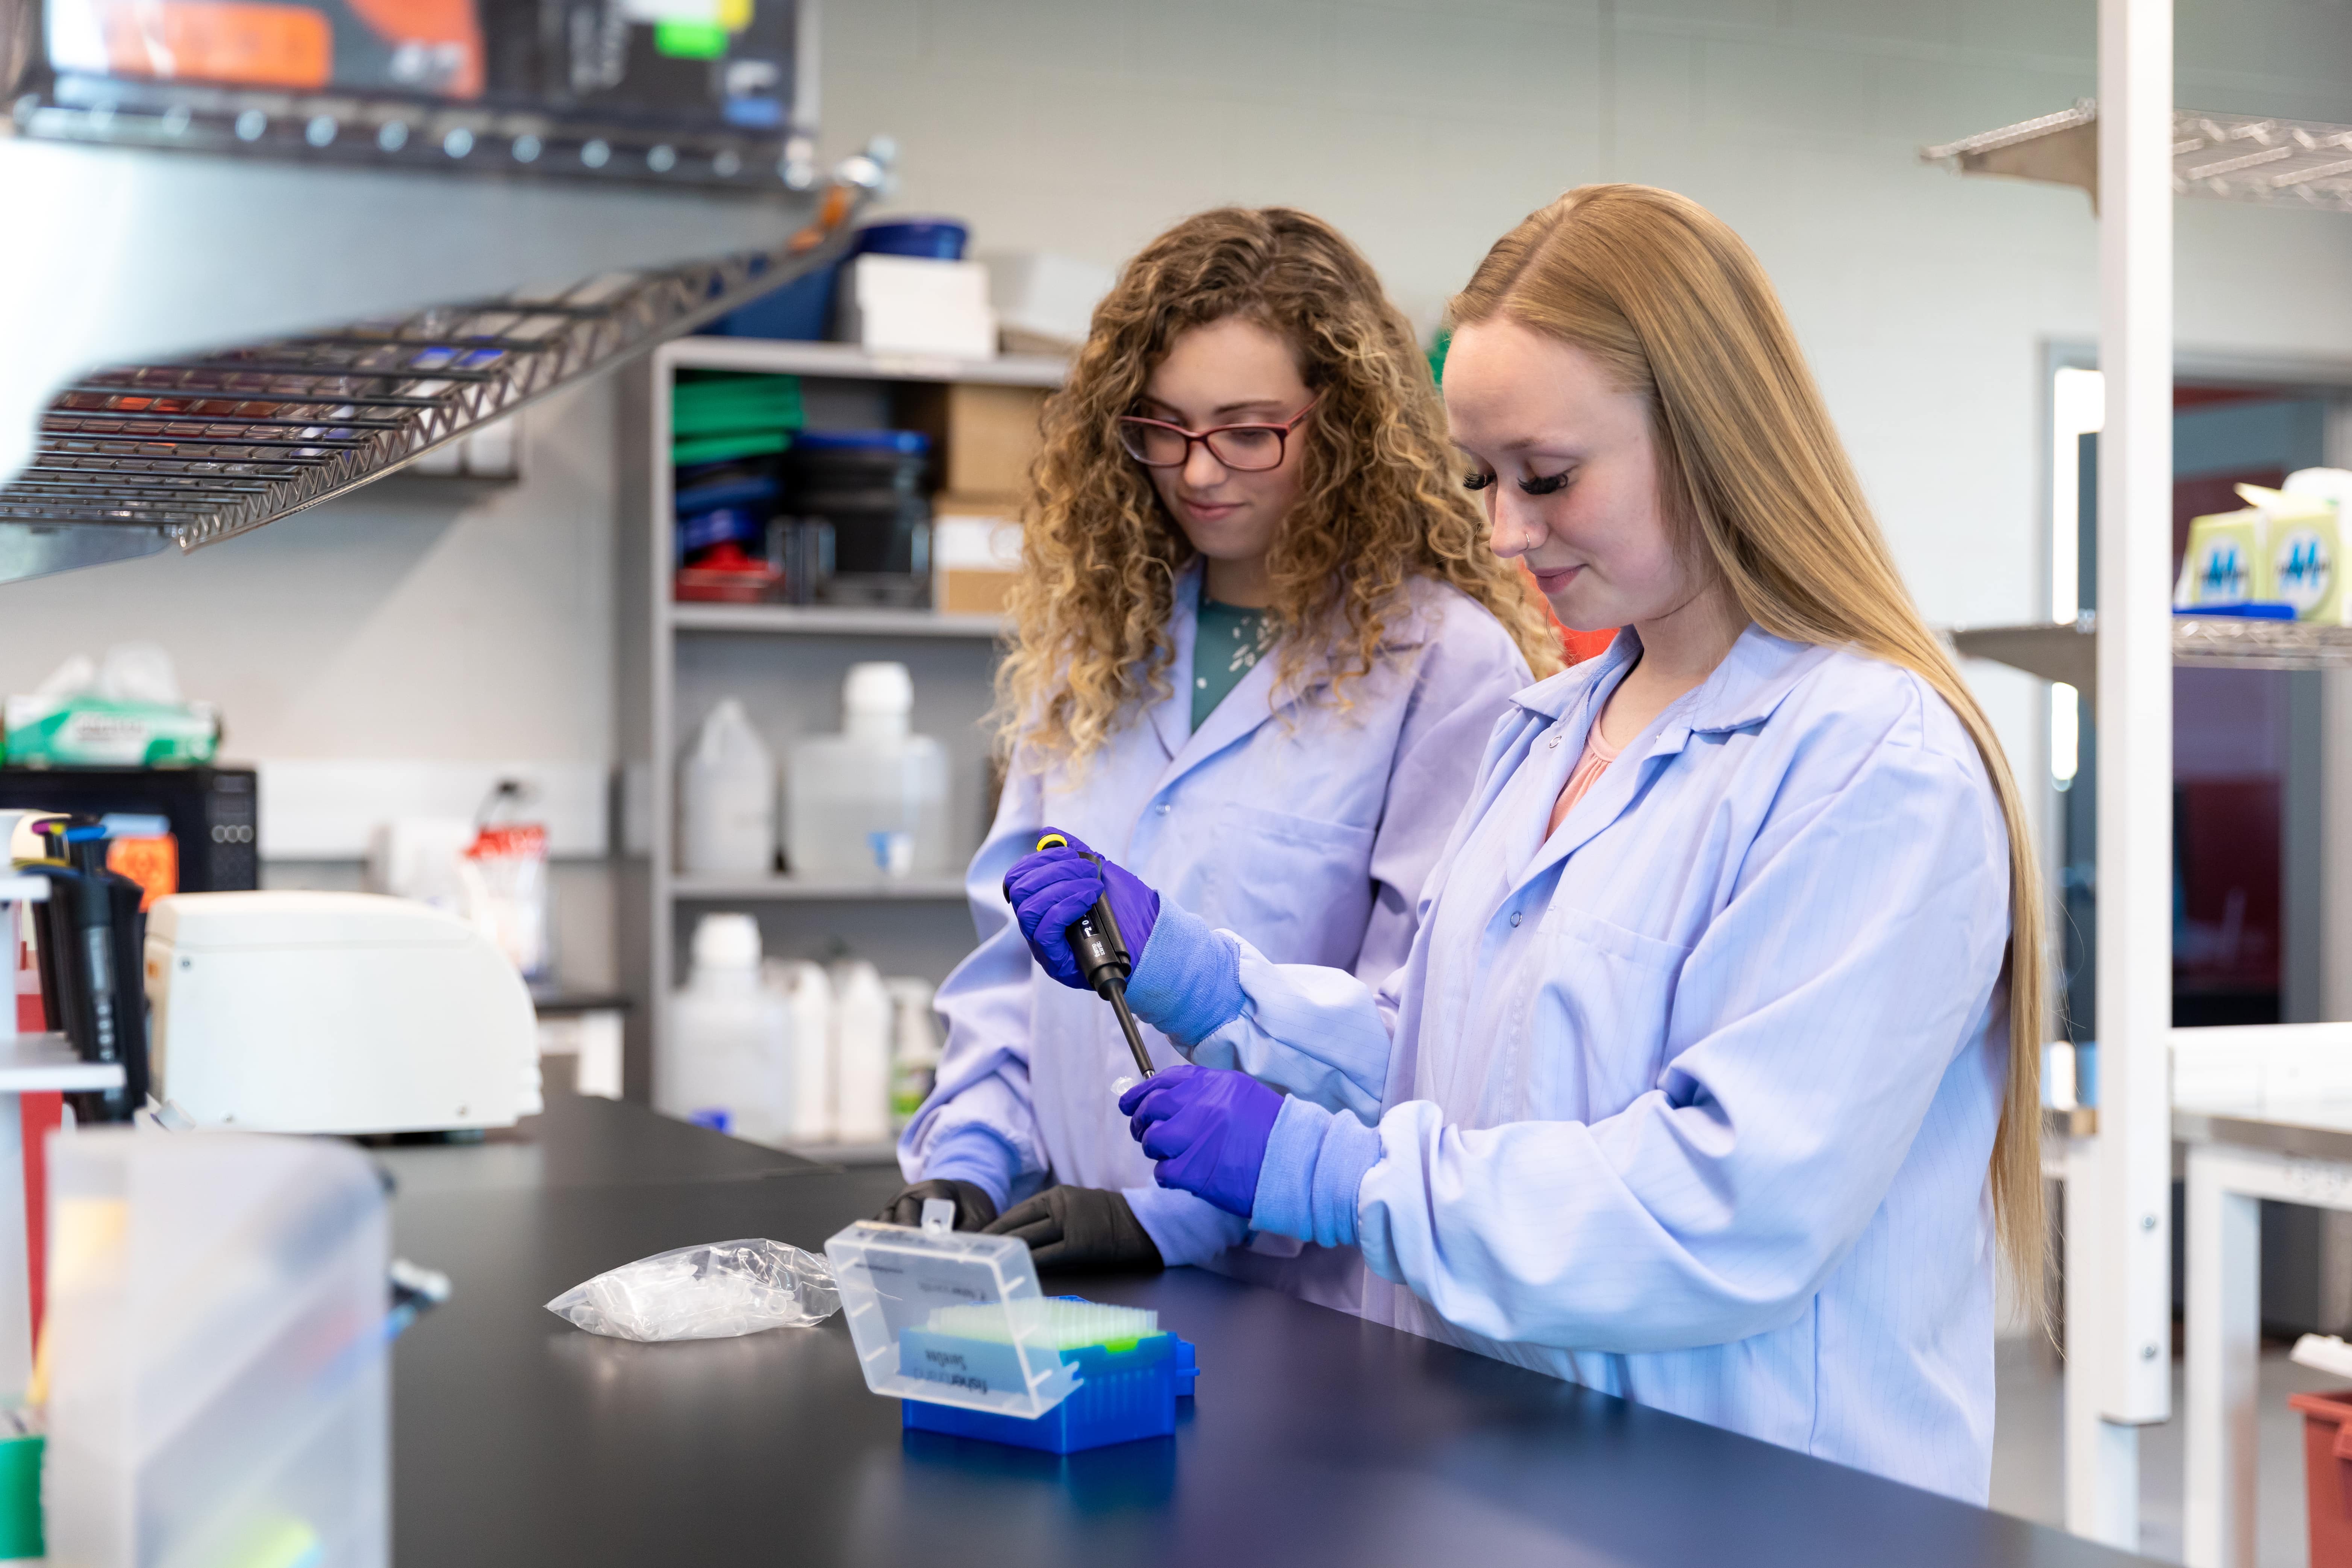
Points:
[[1126, 1392]]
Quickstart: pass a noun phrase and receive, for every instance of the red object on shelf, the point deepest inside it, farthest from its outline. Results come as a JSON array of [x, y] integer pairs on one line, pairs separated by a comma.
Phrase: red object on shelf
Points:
[[2327, 1474], [39, 1115], [723, 575]]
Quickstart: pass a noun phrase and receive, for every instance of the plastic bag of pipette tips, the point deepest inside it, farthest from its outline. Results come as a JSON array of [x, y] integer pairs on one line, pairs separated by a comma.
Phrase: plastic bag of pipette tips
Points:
[[714, 1291]]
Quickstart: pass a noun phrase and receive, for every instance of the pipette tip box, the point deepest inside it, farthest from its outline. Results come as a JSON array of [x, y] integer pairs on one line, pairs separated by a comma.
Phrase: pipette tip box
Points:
[[1127, 1387]]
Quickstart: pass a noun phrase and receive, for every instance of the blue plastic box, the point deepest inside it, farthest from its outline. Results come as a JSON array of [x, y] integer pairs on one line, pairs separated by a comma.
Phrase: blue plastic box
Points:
[[1125, 1392]]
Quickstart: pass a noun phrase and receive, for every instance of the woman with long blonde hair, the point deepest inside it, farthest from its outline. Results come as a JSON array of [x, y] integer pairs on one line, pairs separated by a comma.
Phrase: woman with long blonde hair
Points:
[[1259, 640], [1698, 1085]]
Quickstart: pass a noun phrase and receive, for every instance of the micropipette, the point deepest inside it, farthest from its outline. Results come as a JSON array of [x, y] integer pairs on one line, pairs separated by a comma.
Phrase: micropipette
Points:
[[1103, 959]]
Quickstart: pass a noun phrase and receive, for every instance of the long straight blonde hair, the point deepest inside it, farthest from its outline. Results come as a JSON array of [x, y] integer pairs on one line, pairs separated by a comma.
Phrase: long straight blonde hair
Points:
[[1677, 309]]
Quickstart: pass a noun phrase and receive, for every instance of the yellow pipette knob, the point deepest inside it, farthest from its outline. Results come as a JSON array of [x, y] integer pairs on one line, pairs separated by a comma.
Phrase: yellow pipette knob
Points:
[[1053, 841]]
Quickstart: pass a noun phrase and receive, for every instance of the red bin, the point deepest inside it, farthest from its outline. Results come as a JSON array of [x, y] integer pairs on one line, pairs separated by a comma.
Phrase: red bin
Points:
[[2327, 1474]]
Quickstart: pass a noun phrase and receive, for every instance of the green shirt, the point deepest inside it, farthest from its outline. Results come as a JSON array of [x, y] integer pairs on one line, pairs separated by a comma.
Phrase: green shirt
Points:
[[1225, 648]]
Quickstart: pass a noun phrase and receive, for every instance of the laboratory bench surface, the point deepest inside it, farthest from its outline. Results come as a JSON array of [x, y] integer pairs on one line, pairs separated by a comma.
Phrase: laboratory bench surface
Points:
[[1318, 1438]]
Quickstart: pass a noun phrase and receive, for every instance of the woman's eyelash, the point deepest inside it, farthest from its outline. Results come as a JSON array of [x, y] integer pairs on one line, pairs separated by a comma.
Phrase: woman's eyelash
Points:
[[1544, 485], [1476, 481]]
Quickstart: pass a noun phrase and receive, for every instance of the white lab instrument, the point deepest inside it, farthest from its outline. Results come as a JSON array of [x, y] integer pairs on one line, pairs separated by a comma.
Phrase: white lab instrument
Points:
[[726, 1058], [309, 1011], [861, 1034], [217, 1332], [807, 989], [871, 802], [727, 798]]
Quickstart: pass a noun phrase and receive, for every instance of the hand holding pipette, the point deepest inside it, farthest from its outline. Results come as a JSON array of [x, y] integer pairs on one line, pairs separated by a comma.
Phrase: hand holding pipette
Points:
[[1080, 913]]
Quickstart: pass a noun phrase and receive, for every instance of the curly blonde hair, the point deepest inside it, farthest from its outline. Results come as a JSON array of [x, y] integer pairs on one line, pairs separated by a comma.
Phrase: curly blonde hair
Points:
[[1378, 503]]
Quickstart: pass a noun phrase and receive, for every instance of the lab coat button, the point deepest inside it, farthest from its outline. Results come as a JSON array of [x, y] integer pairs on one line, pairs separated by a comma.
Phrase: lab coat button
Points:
[[1163, 808], [1514, 917]]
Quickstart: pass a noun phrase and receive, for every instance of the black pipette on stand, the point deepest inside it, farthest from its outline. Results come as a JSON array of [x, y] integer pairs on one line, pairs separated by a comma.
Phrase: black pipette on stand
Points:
[[1103, 958]]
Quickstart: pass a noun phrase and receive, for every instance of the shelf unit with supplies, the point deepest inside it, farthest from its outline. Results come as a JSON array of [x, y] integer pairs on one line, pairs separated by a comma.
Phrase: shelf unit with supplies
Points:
[[785, 662], [2134, 152]]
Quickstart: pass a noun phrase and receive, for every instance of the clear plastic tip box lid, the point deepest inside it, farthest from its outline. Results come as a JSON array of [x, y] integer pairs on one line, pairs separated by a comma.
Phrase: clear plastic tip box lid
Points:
[[954, 1318]]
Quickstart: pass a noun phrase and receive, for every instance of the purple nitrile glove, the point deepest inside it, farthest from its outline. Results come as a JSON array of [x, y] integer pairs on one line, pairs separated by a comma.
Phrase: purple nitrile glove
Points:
[[1207, 1128], [1054, 886]]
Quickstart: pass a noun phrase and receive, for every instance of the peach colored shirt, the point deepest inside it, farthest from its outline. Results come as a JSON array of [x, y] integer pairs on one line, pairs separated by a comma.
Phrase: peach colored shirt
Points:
[[1598, 755]]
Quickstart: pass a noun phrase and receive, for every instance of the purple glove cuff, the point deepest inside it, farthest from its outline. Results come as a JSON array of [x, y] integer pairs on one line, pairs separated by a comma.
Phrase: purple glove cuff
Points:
[[1316, 1162], [1188, 978]]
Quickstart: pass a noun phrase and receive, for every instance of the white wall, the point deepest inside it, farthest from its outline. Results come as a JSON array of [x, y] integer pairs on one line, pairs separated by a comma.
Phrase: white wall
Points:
[[1425, 129]]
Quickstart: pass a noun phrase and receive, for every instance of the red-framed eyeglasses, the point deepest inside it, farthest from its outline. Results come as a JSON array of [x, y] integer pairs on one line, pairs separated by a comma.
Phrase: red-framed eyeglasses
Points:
[[1244, 448]]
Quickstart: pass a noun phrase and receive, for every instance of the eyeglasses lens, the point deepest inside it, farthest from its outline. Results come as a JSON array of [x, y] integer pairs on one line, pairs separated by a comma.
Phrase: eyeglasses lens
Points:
[[1247, 447]]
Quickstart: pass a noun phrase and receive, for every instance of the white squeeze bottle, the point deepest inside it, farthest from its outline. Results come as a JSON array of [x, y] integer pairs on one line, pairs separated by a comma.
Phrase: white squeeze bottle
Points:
[[807, 990], [726, 1059], [914, 1047], [727, 799], [871, 802], [861, 1038]]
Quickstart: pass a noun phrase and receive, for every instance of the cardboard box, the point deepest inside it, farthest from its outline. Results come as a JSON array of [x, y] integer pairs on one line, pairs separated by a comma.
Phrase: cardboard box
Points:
[[975, 557], [984, 437]]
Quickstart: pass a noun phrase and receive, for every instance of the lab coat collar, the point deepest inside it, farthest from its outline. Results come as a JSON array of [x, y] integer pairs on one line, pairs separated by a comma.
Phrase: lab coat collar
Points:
[[1752, 681], [1759, 672]]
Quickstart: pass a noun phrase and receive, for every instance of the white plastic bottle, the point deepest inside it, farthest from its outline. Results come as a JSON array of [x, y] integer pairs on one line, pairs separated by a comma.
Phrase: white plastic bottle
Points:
[[808, 991], [726, 1059], [861, 1034], [727, 799], [873, 800], [914, 1047]]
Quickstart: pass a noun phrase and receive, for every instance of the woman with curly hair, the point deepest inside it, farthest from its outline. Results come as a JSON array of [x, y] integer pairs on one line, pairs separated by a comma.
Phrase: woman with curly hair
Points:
[[1259, 642]]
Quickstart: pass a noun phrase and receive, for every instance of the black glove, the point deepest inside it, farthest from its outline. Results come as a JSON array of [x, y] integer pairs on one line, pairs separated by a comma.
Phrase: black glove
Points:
[[974, 1207], [1081, 1228]]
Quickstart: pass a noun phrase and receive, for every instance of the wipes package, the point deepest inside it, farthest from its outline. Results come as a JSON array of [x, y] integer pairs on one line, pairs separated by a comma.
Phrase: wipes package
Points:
[[124, 712]]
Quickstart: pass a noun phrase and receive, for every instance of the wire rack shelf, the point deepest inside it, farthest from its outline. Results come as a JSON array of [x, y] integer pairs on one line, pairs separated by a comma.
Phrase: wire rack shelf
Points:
[[2234, 157], [205, 447]]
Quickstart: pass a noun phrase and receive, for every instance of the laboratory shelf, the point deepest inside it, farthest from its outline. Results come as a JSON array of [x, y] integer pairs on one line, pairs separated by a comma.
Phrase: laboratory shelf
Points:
[[198, 447], [771, 356], [31, 1063], [822, 620], [2234, 157], [2069, 651], [798, 890]]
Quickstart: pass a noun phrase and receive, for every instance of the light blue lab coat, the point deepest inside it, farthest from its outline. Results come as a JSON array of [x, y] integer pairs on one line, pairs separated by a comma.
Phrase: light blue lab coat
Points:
[[1307, 826], [1694, 1101]]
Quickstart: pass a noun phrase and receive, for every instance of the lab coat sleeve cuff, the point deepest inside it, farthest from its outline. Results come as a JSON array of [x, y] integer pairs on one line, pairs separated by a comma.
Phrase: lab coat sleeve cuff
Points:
[[972, 1153], [1184, 1228], [1187, 982], [1315, 1163]]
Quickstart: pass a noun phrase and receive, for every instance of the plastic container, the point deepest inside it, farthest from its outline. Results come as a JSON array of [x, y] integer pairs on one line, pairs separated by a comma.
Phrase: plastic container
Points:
[[893, 1280], [861, 1060], [726, 1059], [807, 991], [216, 1329], [868, 486], [1128, 1389], [727, 799], [932, 238], [2327, 1474], [871, 803], [800, 312], [914, 1047]]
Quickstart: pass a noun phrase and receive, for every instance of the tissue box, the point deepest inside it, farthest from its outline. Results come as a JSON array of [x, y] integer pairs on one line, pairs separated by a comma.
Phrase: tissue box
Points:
[[912, 305], [90, 731], [2225, 565]]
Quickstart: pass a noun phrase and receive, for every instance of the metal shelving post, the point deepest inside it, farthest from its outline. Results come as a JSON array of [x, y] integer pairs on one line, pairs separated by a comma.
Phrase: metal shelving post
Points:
[[2119, 1318]]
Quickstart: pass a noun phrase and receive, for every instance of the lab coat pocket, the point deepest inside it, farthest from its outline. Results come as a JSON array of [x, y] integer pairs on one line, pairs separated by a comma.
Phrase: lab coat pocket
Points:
[[1598, 1038], [1297, 889]]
